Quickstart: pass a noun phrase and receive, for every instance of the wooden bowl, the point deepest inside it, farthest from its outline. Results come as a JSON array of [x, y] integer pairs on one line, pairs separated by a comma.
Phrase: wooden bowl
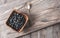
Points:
[[16, 23]]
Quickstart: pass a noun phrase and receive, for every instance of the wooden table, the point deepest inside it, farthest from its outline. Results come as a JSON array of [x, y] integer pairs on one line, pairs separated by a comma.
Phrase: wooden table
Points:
[[43, 13]]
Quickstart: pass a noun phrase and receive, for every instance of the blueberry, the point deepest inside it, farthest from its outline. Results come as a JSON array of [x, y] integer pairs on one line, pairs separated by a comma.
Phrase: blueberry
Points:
[[16, 20], [16, 26]]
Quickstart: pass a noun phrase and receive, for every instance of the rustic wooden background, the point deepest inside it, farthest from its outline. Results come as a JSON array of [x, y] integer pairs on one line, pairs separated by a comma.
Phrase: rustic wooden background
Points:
[[48, 32], [43, 13]]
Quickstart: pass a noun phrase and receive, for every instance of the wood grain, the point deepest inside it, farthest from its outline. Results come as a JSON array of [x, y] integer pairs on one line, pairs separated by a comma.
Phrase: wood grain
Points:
[[43, 14], [49, 32]]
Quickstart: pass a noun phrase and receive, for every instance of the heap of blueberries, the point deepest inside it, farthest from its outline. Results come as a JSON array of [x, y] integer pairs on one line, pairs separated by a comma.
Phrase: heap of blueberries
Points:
[[16, 21]]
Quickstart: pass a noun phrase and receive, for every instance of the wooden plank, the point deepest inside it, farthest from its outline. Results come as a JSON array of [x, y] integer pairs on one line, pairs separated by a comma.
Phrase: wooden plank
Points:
[[59, 31], [39, 34], [41, 17], [43, 33], [27, 36], [19, 37], [56, 31], [49, 32], [34, 35]]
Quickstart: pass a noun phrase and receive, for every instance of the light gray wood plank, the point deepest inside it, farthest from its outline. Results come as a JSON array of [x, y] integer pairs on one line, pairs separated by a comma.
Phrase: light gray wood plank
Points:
[[43, 33], [34, 35], [56, 31], [19, 37], [59, 31], [27, 36], [49, 33], [39, 34]]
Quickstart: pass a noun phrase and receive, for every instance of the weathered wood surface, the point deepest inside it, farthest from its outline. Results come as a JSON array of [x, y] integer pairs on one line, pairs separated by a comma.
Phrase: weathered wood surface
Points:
[[49, 32], [43, 13]]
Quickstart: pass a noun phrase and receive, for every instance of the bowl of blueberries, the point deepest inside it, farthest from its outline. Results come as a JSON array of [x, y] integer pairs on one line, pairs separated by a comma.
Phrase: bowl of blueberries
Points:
[[17, 20]]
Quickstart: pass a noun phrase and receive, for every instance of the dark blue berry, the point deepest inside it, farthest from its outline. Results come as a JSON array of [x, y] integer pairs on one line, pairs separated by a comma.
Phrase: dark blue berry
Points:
[[16, 21]]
